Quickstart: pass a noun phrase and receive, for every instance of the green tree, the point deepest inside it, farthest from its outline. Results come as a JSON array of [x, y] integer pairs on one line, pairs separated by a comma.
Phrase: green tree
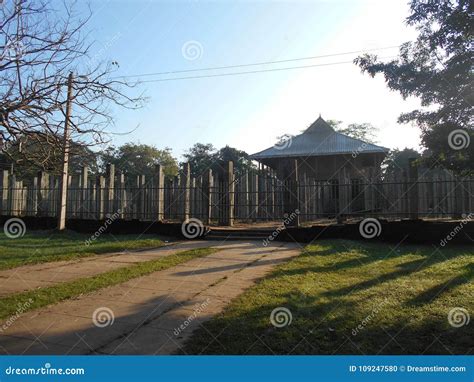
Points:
[[363, 131], [139, 159], [240, 158], [398, 160], [203, 157], [437, 68], [28, 157]]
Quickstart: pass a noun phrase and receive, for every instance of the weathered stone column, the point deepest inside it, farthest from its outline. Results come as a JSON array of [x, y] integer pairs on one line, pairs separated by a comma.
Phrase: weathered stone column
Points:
[[413, 188], [160, 192], [291, 194], [186, 184]]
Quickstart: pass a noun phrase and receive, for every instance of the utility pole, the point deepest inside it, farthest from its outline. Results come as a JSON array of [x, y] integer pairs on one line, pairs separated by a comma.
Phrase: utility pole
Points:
[[65, 165]]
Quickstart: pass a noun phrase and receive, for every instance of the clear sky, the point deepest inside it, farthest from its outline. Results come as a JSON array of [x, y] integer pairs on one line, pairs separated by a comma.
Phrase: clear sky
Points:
[[249, 111]]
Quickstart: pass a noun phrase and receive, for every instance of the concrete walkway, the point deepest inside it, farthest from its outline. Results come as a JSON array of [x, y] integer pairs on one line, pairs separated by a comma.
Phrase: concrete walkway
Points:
[[30, 277], [153, 314]]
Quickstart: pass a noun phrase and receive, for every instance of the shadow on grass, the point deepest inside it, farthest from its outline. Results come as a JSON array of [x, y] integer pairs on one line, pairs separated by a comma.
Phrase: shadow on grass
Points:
[[331, 320], [438, 290]]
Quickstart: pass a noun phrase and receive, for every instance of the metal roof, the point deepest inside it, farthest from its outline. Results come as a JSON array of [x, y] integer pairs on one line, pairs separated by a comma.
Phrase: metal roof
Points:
[[317, 140]]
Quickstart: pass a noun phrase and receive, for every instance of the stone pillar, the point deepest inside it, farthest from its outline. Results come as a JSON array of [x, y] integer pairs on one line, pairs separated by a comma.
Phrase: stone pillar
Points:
[[291, 193], [186, 184], [227, 216], [109, 192], [43, 193], [160, 192], [4, 210], [207, 186], [413, 188]]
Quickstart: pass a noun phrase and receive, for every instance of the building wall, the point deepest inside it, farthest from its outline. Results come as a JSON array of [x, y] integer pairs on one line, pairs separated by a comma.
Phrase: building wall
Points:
[[341, 167]]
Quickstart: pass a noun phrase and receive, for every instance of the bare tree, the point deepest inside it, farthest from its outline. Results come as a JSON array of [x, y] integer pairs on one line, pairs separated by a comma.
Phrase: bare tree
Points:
[[39, 47]]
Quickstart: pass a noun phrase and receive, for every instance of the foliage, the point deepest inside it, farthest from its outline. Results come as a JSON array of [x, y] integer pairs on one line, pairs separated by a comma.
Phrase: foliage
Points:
[[363, 131], [397, 161], [139, 159], [20, 154], [203, 157], [436, 68]]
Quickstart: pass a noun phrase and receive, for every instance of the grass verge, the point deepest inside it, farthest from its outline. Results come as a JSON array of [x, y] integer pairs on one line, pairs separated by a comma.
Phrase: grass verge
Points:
[[50, 295], [45, 246], [345, 297]]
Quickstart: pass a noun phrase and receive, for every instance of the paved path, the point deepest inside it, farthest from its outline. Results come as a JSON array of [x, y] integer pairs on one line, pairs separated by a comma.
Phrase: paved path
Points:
[[30, 277], [153, 314]]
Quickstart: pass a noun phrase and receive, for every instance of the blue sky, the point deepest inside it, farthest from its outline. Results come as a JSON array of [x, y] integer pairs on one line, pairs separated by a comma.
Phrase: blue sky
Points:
[[250, 111]]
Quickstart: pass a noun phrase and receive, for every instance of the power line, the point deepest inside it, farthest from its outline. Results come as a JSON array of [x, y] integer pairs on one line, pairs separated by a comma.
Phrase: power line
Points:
[[255, 63], [247, 72]]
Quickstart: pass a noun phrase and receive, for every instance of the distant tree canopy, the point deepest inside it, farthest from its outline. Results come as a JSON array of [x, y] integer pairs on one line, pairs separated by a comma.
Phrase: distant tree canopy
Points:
[[398, 161], [28, 157], [203, 157], [140, 159], [437, 68], [363, 131]]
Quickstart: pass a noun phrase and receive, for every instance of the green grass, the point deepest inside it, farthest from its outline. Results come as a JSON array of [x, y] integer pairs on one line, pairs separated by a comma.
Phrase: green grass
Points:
[[400, 297], [54, 294], [45, 246]]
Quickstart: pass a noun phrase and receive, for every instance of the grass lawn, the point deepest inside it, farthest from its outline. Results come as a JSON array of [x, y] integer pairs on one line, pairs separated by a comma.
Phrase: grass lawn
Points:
[[349, 297], [51, 295], [44, 246]]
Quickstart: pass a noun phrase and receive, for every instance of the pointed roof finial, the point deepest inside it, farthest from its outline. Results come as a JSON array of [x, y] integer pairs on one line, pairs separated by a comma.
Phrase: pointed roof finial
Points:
[[319, 115]]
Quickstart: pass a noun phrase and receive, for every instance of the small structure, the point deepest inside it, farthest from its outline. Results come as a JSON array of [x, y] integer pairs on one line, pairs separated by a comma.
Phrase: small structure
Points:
[[339, 163]]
